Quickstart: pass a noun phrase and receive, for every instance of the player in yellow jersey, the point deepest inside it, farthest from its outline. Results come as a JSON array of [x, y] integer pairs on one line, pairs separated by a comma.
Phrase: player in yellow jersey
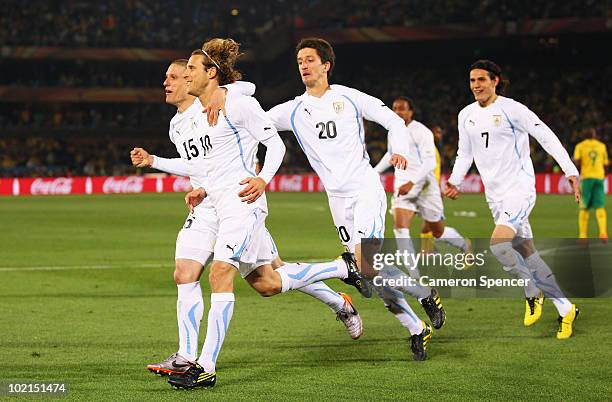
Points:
[[427, 242], [592, 155]]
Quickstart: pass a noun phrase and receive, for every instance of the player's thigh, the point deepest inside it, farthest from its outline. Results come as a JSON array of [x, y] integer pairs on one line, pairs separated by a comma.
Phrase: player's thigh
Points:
[[598, 198], [430, 204], [196, 239], [342, 211], [587, 192], [264, 280], [239, 237], [402, 217], [513, 212], [369, 215]]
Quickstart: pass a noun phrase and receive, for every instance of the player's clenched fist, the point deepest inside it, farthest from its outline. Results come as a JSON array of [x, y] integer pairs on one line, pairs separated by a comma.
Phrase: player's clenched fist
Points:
[[398, 161], [141, 158], [451, 191], [254, 189], [195, 198]]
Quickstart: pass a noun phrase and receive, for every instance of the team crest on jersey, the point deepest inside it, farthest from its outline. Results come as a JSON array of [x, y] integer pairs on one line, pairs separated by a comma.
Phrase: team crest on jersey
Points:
[[339, 107], [497, 119]]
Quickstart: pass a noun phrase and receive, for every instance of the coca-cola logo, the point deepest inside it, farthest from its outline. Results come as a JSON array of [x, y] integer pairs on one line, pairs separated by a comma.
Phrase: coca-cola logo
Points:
[[61, 185], [132, 184], [290, 183], [181, 184]]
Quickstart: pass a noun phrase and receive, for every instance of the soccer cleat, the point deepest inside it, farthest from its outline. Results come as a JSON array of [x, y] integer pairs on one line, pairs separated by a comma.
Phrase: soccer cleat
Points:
[[350, 317], [432, 305], [603, 239], [194, 377], [175, 364], [533, 309], [566, 323], [354, 277], [419, 342]]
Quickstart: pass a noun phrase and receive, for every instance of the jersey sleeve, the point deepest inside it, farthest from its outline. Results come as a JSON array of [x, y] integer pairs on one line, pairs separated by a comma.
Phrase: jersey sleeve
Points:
[[384, 163], [375, 110], [175, 166], [427, 149], [465, 157], [280, 115], [259, 125], [241, 87], [532, 124]]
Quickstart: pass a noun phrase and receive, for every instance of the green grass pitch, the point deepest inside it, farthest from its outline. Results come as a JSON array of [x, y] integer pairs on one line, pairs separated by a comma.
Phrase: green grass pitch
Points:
[[88, 299]]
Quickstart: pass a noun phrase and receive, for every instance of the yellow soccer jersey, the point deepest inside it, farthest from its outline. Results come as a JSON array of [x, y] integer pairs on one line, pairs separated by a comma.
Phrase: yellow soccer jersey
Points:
[[593, 157], [438, 168]]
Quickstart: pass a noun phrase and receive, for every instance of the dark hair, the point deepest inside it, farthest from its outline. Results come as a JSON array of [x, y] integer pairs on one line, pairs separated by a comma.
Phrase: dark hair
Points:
[[405, 99], [324, 50], [494, 71]]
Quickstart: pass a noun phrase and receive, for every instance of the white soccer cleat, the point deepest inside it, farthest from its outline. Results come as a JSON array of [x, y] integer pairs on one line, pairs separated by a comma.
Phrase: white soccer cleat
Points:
[[350, 317]]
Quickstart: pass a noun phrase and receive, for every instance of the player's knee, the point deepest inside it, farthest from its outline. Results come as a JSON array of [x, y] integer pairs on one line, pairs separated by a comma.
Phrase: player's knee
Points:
[[187, 271], [504, 253], [221, 277], [267, 288]]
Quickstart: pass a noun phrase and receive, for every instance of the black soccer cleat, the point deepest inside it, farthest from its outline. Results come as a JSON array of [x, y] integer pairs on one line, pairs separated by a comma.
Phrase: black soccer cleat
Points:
[[194, 377], [419, 342], [354, 277], [432, 305]]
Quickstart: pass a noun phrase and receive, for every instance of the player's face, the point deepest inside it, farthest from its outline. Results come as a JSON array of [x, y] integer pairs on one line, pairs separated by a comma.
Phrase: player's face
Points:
[[195, 75], [175, 85], [310, 66], [482, 86], [438, 133], [402, 109]]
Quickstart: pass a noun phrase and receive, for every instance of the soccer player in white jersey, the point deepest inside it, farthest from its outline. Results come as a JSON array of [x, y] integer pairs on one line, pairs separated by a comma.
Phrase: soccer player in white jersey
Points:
[[226, 170], [494, 133], [327, 123], [416, 189], [196, 240]]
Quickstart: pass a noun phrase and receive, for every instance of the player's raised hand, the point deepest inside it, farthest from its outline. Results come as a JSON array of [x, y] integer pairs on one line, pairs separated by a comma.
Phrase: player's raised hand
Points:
[[451, 191], [141, 158], [398, 161], [195, 198], [214, 105], [254, 189], [575, 182]]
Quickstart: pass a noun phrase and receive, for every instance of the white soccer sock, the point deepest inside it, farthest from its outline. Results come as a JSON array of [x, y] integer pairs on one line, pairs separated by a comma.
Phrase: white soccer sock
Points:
[[514, 264], [296, 275], [545, 280], [454, 238], [404, 243], [322, 292], [396, 303], [189, 311], [219, 316]]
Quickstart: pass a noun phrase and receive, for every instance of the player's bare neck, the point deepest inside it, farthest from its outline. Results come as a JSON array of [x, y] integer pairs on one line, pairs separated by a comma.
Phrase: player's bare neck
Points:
[[488, 101], [318, 89], [184, 105], [208, 92]]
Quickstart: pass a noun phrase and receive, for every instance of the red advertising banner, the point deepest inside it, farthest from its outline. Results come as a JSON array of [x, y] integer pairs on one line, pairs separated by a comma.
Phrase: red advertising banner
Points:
[[309, 183]]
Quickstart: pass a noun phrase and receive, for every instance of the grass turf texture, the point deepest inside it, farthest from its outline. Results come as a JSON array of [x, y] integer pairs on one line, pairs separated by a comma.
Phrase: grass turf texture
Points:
[[97, 327]]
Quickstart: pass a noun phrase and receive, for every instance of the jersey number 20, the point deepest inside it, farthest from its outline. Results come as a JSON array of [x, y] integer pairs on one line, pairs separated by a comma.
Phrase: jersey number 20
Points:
[[327, 130]]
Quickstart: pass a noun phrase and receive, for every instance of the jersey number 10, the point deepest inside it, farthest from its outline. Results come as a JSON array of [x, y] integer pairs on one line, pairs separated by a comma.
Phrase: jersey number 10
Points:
[[191, 149]]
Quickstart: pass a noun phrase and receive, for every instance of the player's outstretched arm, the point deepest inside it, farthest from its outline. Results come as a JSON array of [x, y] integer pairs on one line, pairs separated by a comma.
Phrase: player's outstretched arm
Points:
[[384, 163], [217, 100], [176, 166], [532, 124], [463, 161]]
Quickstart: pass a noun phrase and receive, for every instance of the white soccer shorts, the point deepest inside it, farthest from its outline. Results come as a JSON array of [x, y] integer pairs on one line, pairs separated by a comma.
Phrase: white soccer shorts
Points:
[[196, 240], [514, 212], [361, 216], [425, 198]]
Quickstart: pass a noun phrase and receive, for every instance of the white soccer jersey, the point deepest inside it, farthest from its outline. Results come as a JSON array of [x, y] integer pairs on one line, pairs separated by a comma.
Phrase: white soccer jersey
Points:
[[417, 146], [330, 132], [496, 137], [228, 151]]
